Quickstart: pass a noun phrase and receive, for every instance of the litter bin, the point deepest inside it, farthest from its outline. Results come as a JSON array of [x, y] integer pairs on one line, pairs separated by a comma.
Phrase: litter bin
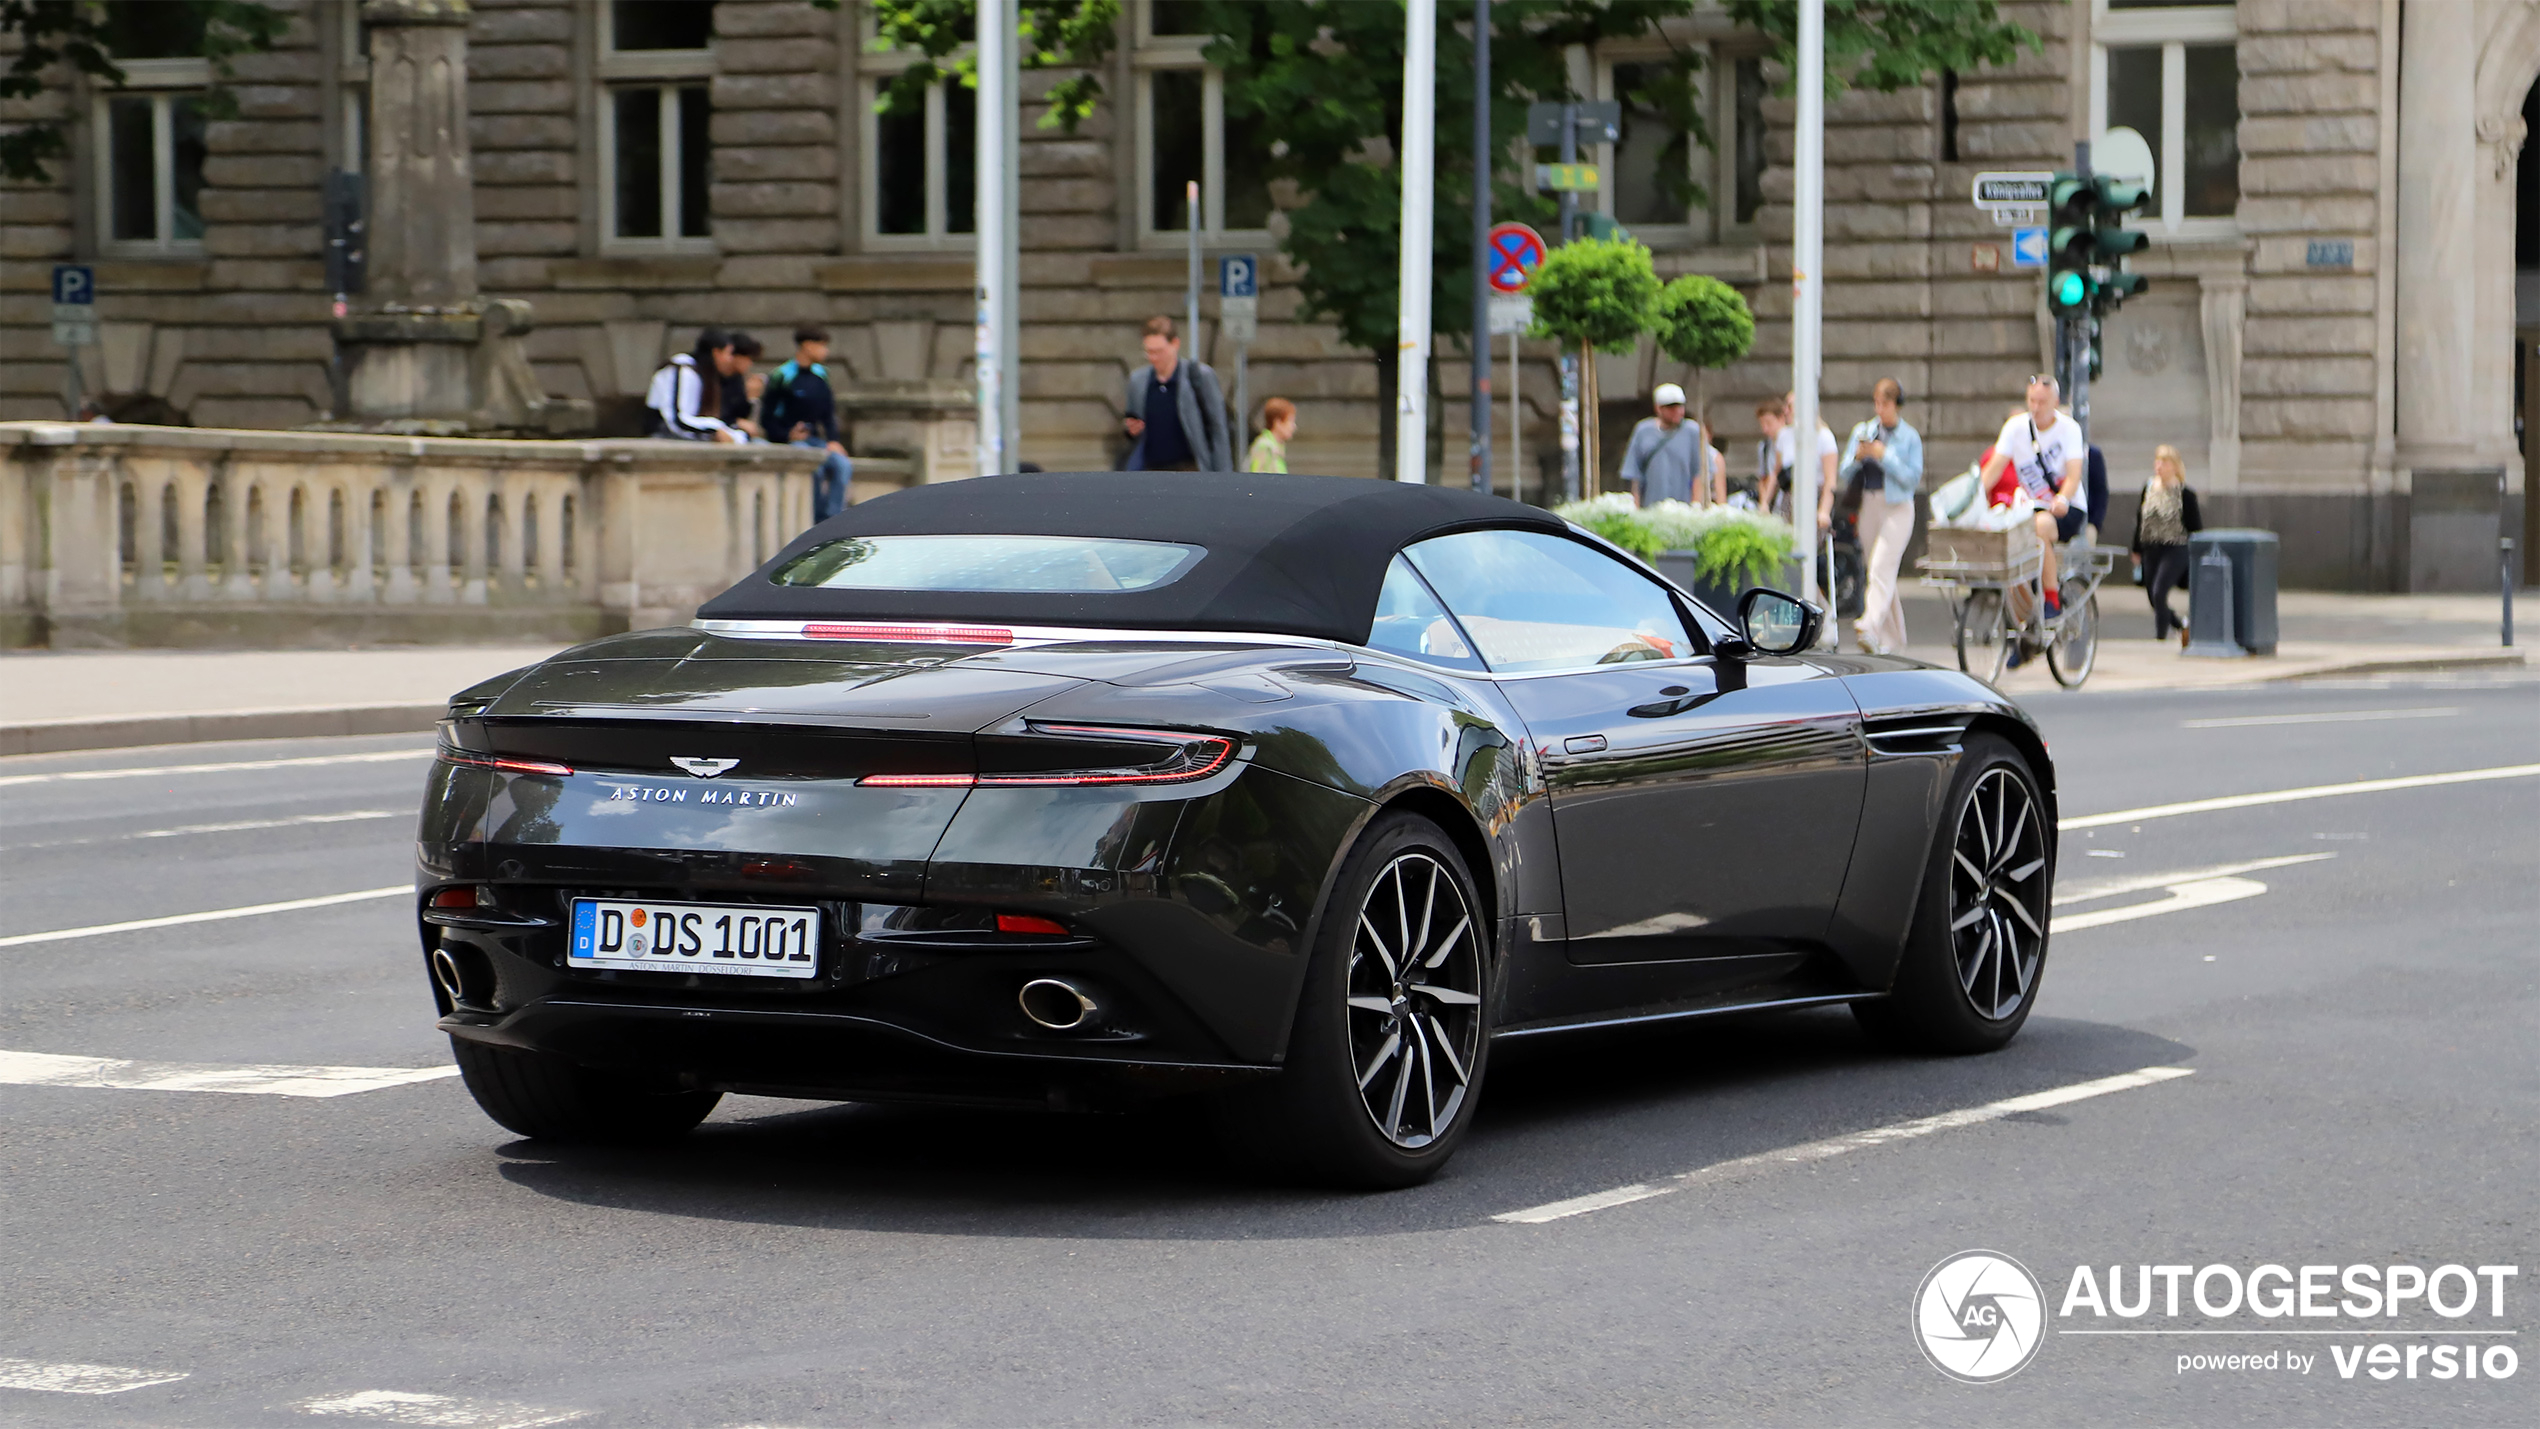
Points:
[[2251, 590]]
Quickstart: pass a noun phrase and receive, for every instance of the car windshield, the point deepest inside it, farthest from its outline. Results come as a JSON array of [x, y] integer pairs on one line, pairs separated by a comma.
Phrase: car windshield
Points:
[[1534, 601], [1071, 564]]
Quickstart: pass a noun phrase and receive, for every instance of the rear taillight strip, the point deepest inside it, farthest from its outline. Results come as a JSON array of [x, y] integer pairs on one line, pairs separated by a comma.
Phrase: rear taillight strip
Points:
[[922, 634], [1200, 756], [499, 763]]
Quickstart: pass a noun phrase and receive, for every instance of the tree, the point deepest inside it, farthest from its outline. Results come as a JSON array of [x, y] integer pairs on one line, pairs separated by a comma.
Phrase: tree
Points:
[[1056, 34], [1703, 323], [88, 36], [1888, 45], [1601, 294]]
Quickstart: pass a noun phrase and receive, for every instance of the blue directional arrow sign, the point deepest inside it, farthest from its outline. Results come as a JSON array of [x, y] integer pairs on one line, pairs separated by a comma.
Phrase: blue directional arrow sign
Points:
[[2028, 247]]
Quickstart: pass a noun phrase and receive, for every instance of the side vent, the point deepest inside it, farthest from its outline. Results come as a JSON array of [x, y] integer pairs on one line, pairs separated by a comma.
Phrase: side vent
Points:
[[1916, 734]]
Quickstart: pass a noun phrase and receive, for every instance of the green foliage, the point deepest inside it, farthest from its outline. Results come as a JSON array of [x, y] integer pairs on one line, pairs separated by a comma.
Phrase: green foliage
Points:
[[1704, 322], [1730, 547], [1069, 34], [83, 35], [1319, 82], [1888, 45], [1598, 292]]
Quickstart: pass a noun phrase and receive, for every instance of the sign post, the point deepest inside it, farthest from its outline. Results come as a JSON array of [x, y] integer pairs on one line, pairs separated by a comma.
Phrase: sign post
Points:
[[1564, 125], [74, 319], [1511, 254], [1238, 319]]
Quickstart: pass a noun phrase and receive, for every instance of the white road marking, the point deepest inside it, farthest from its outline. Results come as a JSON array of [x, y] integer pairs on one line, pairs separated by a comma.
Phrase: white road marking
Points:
[[80, 1378], [73, 775], [232, 827], [397, 1406], [2323, 717], [2099, 888], [288, 905], [2292, 796], [2204, 893], [53, 1069], [1838, 1145]]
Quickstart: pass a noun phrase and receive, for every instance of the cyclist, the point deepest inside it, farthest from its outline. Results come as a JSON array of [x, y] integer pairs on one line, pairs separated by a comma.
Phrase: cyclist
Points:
[[2044, 449]]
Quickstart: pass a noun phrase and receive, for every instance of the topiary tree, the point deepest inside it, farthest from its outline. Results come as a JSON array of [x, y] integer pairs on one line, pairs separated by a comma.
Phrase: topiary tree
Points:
[[1703, 323], [1598, 294]]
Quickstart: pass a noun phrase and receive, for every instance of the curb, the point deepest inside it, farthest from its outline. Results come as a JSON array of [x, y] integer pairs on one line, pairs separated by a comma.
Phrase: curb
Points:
[[61, 736], [2448, 661]]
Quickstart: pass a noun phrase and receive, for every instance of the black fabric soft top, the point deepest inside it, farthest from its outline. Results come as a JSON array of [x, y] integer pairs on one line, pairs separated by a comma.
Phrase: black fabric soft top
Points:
[[1286, 555]]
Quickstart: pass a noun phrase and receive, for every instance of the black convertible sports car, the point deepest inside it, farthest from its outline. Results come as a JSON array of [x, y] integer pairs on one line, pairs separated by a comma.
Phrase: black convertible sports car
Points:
[[1298, 792]]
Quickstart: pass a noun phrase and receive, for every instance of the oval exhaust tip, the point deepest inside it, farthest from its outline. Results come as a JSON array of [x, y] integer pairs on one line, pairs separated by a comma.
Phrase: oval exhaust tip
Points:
[[445, 971], [1057, 1005]]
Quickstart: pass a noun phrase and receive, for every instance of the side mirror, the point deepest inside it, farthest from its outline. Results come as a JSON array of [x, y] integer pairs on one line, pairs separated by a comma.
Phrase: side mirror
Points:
[[1777, 624]]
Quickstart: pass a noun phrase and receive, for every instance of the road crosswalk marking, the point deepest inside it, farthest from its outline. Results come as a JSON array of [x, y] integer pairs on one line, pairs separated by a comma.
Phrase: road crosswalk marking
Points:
[[176, 920], [51, 1069], [1838, 1145], [80, 1378], [396, 1406]]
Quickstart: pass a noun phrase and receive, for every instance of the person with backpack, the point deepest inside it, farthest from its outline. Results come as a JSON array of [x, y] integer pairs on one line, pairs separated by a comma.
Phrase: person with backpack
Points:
[[685, 400], [1176, 410], [801, 407], [1884, 458]]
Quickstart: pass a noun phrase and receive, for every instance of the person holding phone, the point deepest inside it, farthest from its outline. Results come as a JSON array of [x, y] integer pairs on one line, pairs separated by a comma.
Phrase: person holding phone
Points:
[[1885, 456]]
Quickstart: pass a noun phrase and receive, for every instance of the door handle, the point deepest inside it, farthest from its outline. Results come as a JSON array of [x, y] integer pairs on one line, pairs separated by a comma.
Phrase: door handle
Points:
[[1584, 744]]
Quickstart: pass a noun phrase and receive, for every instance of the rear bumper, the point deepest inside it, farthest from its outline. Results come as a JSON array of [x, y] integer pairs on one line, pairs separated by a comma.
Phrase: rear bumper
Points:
[[831, 1055]]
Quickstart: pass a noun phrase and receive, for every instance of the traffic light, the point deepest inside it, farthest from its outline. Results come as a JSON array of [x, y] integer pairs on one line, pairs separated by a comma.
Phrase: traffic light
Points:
[[340, 209], [2070, 246], [2112, 241]]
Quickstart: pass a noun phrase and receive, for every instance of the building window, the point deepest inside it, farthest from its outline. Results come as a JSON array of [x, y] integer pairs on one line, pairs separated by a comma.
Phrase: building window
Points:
[[656, 145], [1186, 135], [1730, 91], [921, 160], [150, 147], [2171, 74]]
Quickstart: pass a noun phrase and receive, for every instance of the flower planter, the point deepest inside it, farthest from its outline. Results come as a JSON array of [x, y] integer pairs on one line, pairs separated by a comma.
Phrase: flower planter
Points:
[[1680, 567]]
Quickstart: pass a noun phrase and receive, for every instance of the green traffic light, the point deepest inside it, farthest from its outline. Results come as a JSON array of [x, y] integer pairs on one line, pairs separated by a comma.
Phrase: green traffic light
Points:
[[2068, 290]]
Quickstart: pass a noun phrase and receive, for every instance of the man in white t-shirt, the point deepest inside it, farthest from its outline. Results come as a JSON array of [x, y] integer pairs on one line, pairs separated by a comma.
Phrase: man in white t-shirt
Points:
[[2045, 449]]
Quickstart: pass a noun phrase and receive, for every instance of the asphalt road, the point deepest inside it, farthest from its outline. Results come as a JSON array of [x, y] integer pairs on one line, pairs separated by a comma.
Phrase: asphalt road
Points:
[[2360, 1032]]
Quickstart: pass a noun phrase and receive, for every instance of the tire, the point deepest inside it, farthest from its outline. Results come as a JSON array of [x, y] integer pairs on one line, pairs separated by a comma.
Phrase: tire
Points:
[[1360, 1104], [1983, 641], [550, 1099], [2075, 647], [1976, 952]]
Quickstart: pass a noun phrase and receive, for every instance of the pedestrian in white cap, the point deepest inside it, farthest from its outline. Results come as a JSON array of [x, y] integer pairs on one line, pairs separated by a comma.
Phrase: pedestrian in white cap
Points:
[[1667, 460]]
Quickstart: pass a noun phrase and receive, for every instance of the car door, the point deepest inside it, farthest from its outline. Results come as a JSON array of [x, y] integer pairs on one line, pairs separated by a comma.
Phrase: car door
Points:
[[1702, 808]]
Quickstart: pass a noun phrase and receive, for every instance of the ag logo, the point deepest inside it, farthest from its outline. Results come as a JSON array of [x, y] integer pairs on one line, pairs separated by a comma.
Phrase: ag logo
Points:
[[1979, 1316]]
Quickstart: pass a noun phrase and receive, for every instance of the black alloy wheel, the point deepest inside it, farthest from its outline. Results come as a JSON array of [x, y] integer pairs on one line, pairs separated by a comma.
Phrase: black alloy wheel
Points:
[[1392, 1032], [1415, 995], [1971, 965]]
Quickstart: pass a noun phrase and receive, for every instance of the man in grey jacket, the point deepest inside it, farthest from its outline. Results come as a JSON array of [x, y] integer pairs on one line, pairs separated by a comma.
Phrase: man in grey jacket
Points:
[[1176, 410]]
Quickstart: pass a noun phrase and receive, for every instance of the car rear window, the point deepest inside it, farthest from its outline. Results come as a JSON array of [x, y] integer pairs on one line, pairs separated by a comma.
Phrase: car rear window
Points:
[[1071, 564]]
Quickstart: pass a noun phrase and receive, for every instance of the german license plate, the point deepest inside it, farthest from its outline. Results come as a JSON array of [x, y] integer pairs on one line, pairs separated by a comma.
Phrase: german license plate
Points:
[[730, 940]]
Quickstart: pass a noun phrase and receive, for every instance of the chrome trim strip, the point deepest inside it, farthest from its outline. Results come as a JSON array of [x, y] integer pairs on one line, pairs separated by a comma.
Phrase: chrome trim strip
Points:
[[1680, 1015], [1024, 635]]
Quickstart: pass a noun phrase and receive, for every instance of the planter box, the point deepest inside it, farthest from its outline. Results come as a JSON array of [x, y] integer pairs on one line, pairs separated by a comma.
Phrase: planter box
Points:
[[1679, 566]]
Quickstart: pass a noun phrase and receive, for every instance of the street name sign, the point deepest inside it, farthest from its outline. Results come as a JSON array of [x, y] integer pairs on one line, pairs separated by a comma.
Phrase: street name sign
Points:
[[1600, 121], [1513, 251], [1562, 178], [2025, 188]]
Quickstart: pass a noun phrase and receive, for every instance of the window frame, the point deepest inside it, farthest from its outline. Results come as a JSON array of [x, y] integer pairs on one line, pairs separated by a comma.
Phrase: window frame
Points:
[[1714, 168], [1700, 641], [667, 71], [875, 68], [161, 82], [1149, 54], [2171, 29]]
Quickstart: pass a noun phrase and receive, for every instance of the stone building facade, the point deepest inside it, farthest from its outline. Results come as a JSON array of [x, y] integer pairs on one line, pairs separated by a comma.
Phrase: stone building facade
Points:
[[2331, 337]]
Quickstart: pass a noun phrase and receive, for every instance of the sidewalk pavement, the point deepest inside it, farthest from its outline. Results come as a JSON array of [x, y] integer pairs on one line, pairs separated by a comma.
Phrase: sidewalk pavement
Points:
[[53, 701], [56, 700]]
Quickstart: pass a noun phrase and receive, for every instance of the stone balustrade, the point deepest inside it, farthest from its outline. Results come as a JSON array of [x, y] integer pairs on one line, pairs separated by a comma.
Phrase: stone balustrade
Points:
[[134, 535]]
